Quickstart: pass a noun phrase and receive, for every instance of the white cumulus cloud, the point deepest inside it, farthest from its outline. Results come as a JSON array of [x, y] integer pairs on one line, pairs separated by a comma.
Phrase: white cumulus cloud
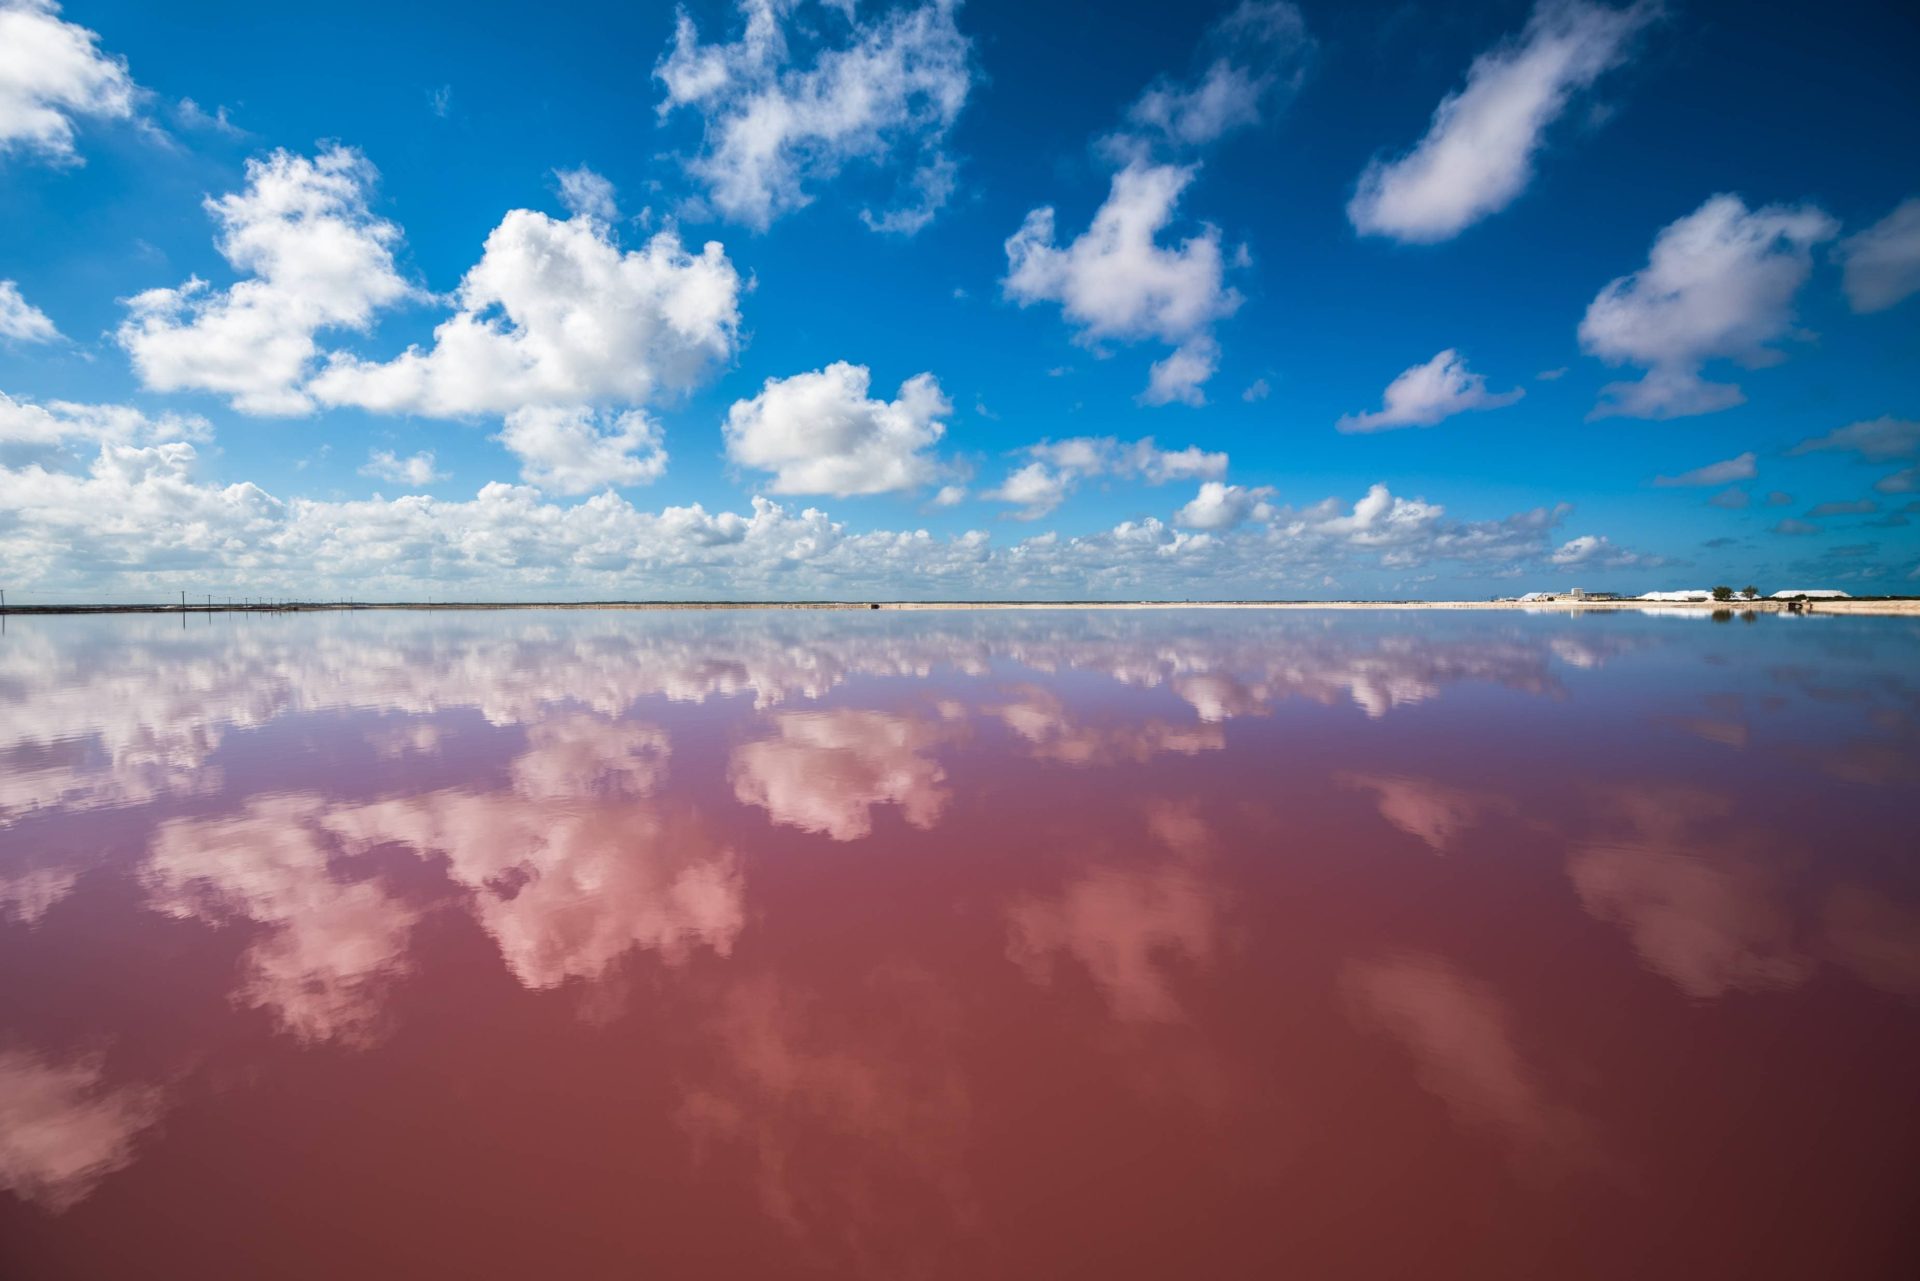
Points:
[[1874, 439], [135, 506], [1056, 466], [316, 258], [822, 433], [1117, 281], [1478, 154], [1596, 551], [138, 519], [1036, 488], [1426, 394], [417, 471], [1739, 467], [1222, 506], [1255, 52], [556, 313], [20, 320], [33, 432], [587, 193], [790, 103], [573, 450], [1883, 262], [53, 73], [64, 1126], [1718, 284]]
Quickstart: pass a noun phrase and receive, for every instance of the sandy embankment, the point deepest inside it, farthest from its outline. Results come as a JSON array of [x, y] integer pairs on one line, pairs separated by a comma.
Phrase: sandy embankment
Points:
[[1907, 607]]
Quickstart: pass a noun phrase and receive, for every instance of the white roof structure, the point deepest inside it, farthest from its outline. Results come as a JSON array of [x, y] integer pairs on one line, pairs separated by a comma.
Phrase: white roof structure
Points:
[[1813, 593], [1700, 593]]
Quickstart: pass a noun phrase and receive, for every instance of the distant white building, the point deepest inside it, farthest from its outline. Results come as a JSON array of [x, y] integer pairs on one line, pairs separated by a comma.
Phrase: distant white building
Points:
[[1812, 593], [1534, 598], [1700, 593]]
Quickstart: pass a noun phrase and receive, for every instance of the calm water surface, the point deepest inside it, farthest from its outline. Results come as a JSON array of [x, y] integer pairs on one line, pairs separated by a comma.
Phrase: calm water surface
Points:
[[959, 945]]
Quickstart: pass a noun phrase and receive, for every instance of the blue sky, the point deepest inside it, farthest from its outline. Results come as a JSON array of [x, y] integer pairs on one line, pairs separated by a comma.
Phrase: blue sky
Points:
[[1403, 300]]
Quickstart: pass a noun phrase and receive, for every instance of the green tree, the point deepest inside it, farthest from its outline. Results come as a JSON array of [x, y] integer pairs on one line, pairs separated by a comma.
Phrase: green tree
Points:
[[1750, 590], [1723, 593]]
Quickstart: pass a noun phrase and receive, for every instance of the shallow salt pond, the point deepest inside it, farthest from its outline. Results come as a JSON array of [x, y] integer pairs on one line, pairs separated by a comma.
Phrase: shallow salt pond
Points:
[[959, 944]]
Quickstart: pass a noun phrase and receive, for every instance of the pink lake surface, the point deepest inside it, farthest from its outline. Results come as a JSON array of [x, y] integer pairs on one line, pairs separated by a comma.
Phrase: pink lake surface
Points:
[[1050, 944]]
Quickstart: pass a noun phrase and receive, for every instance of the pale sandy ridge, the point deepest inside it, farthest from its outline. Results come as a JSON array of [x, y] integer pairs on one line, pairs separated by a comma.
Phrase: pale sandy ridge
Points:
[[1899, 607]]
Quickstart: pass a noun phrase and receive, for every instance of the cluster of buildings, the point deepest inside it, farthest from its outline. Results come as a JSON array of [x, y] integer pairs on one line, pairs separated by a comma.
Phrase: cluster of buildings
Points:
[[1681, 596]]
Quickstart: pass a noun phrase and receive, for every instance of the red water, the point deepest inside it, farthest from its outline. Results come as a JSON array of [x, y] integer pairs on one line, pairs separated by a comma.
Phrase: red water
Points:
[[959, 945]]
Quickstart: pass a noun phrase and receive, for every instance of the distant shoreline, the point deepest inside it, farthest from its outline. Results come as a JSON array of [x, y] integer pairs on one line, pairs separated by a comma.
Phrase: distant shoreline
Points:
[[1908, 606]]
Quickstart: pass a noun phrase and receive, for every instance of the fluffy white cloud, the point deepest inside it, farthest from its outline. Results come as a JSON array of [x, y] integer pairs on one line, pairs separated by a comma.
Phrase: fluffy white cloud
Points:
[[1116, 281], [1427, 810], [1380, 517], [1137, 931], [1478, 154], [827, 771], [317, 259], [1854, 507], [1598, 552], [1181, 374], [1053, 734], [1875, 439], [1579, 550], [1700, 894], [1256, 51], [137, 518], [1467, 1052], [1036, 488], [1883, 262], [32, 432], [63, 1128], [789, 104], [1104, 455], [1426, 394], [20, 320], [1739, 467], [556, 313], [1057, 466], [1220, 506], [573, 450], [135, 506], [191, 115], [52, 72], [417, 470], [1404, 532], [1718, 284], [587, 194], [327, 949], [821, 433], [573, 869], [1904, 481]]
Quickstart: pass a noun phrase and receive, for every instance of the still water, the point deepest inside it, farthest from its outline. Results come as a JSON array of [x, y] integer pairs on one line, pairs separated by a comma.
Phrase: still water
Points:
[[970, 944]]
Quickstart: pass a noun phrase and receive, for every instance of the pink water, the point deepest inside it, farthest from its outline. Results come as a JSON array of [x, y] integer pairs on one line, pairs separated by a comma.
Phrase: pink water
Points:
[[959, 945]]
